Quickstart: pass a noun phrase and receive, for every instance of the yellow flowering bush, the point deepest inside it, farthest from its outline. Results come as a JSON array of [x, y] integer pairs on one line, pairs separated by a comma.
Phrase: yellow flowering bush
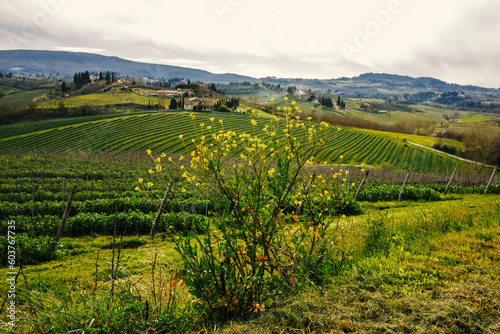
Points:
[[252, 256]]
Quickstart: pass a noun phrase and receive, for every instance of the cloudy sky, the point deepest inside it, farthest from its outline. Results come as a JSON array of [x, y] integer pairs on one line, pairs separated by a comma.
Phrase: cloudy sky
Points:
[[453, 40]]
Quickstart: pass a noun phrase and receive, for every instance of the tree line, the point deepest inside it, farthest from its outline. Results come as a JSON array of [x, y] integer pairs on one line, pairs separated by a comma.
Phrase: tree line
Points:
[[82, 78]]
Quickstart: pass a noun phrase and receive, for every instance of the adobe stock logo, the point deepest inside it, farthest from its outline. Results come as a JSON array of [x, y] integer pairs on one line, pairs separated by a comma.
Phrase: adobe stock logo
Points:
[[31, 25], [364, 36], [487, 80], [224, 6]]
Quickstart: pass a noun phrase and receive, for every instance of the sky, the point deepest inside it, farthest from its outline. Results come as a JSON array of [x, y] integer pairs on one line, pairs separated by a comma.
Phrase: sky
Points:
[[453, 40]]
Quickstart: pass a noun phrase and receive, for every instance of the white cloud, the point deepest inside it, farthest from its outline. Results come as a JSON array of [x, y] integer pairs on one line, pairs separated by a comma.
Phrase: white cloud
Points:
[[447, 39], [78, 49]]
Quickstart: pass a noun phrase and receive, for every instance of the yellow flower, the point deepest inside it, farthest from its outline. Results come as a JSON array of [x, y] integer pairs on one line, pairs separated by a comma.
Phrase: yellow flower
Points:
[[181, 158], [170, 159], [202, 124], [221, 121], [150, 184], [181, 136], [343, 216], [341, 157], [293, 103], [286, 98], [141, 180], [212, 119], [151, 171], [272, 99], [254, 122], [158, 159], [148, 152], [353, 184], [137, 189], [183, 190]]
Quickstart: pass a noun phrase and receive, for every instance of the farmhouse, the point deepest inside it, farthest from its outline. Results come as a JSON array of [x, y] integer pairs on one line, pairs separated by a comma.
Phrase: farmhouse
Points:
[[124, 82], [199, 102], [173, 93]]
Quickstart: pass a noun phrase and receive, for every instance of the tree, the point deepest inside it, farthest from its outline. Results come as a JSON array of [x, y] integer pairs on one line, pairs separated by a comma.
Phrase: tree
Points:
[[107, 77], [173, 104], [63, 88], [338, 101]]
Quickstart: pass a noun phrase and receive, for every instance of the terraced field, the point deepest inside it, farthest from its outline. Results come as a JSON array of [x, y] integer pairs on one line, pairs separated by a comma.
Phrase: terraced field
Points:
[[159, 131]]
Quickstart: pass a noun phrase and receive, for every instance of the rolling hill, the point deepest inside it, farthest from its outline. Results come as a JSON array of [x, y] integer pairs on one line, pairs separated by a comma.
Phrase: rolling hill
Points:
[[160, 131], [27, 62]]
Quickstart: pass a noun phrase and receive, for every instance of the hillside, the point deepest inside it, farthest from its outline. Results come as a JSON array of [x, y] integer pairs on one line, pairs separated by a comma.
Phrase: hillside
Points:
[[160, 131], [61, 63]]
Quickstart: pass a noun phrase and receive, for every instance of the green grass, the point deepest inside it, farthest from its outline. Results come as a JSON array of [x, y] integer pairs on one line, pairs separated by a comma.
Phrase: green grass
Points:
[[417, 139], [22, 97], [477, 118], [113, 97], [411, 267]]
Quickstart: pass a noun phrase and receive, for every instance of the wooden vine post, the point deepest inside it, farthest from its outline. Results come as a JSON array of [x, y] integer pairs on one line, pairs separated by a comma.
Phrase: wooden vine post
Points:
[[361, 184], [66, 213], [451, 179], [160, 209], [404, 185], [491, 180]]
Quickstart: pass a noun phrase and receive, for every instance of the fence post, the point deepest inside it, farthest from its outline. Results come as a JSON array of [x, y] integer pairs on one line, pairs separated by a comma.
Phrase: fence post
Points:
[[451, 179], [361, 184], [306, 191], [404, 185], [158, 215], [491, 180], [66, 214]]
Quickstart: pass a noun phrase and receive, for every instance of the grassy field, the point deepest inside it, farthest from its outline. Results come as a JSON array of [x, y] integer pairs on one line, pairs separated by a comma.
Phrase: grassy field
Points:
[[112, 97], [421, 140], [412, 267], [22, 97]]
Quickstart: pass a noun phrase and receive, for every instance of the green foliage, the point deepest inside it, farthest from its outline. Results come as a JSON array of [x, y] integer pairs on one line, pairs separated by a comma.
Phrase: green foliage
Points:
[[30, 250], [385, 193]]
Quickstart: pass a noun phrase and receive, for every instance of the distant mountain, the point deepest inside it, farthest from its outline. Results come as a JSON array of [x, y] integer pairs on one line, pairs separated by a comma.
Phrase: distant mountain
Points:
[[402, 80], [67, 63]]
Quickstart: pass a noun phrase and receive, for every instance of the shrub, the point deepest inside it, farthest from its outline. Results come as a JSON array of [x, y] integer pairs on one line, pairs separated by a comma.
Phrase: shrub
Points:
[[252, 256]]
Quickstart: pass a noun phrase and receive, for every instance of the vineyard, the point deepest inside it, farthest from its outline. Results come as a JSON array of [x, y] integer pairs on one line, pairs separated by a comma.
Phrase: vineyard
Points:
[[35, 190], [160, 131]]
